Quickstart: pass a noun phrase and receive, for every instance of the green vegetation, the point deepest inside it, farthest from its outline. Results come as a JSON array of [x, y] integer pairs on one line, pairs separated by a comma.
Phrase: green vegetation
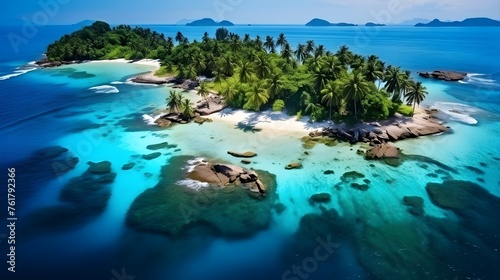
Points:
[[405, 110], [259, 74], [100, 41]]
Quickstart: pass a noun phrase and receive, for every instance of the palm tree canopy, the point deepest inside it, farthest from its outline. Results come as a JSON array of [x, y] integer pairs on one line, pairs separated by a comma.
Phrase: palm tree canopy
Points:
[[256, 97], [174, 102]]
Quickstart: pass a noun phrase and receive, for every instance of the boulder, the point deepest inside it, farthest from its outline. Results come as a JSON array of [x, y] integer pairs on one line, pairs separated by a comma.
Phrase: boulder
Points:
[[151, 156], [163, 145], [99, 167], [320, 198], [361, 187], [128, 166], [50, 152], [328, 172], [415, 205], [382, 151], [293, 165], [246, 161], [444, 75], [247, 154]]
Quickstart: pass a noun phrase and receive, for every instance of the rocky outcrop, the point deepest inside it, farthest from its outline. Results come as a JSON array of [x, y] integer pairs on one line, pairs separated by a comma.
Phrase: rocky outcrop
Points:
[[174, 208], [150, 78], [320, 198], [128, 166], [444, 75], [163, 145], [247, 154], [415, 205], [99, 167], [293, 165], [212, 104], [375, 133], [151, 156], [382, 151], [226, 174], [185, 84]]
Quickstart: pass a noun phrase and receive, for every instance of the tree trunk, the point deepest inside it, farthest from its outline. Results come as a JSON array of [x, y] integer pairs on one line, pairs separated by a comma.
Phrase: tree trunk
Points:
[[355, 110], [413, 113], [330, 112]]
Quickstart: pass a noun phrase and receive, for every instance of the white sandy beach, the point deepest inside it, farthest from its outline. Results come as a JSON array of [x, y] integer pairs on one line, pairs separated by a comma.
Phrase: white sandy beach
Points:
[[150, 62], [267, 121]]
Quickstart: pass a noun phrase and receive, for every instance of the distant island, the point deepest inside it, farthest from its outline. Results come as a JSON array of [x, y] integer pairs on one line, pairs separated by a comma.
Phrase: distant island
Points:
[[374, 24], [414, 21], [209, 22], [466, 22], [322, 22]]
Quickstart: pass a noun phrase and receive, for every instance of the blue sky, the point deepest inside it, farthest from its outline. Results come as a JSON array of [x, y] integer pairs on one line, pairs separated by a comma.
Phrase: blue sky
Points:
[[246, 11]]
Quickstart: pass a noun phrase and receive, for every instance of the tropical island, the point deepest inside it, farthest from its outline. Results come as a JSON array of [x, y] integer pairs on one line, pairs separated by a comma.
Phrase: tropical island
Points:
[[322, 22], [265, 74], [464, 23], [209, 22]]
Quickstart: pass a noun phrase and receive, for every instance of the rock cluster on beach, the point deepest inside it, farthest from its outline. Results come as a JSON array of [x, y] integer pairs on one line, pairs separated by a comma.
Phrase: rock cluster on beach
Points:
[[444, 75], [398, 128], [233, 202], [210, 105]]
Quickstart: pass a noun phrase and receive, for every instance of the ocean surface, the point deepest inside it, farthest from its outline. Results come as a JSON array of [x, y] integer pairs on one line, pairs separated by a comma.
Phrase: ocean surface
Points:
[[93, 111]]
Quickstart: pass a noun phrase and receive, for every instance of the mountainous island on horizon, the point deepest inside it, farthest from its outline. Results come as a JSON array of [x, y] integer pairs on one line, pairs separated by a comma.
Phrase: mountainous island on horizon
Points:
[[209, 22], [467, 22], [323, 22]]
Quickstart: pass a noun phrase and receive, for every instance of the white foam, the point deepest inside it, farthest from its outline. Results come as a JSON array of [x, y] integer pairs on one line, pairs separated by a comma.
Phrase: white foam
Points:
[[150, 120], [104, 89], [193, 184], [191, 164], [17, 73], [480, 79], [457, 112], [117, 83]]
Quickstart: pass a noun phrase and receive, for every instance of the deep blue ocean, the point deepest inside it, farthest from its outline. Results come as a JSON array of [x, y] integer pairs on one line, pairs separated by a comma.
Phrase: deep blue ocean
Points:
[[62, 106]]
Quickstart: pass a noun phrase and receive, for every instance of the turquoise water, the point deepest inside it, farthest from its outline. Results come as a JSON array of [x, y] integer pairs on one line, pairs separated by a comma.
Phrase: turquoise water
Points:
[[56, 107]]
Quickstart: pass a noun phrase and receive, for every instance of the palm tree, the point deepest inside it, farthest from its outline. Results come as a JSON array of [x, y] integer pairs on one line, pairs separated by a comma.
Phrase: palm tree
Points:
[[357, 61], [217, 49], [199, 64], [203, 92], [394, 82], [416, 94], [310, 47], [286, 52], [174, 102], [256, 97], [246, 72], [187, 109], [179, 37], [301, 53], [229, 93], [262, 66], [269, 44], [281, 40], [235, 44], [320, 78], [226, 65], [345, 55], [356, 87], [374, 71], [246, 39], [332, 95], [320, 51], [274, 84], [332, 66], [257, 43]]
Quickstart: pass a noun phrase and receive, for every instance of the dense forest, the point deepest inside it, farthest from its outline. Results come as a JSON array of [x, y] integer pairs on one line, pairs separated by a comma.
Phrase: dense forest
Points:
[[260, 73], [100, 41]]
